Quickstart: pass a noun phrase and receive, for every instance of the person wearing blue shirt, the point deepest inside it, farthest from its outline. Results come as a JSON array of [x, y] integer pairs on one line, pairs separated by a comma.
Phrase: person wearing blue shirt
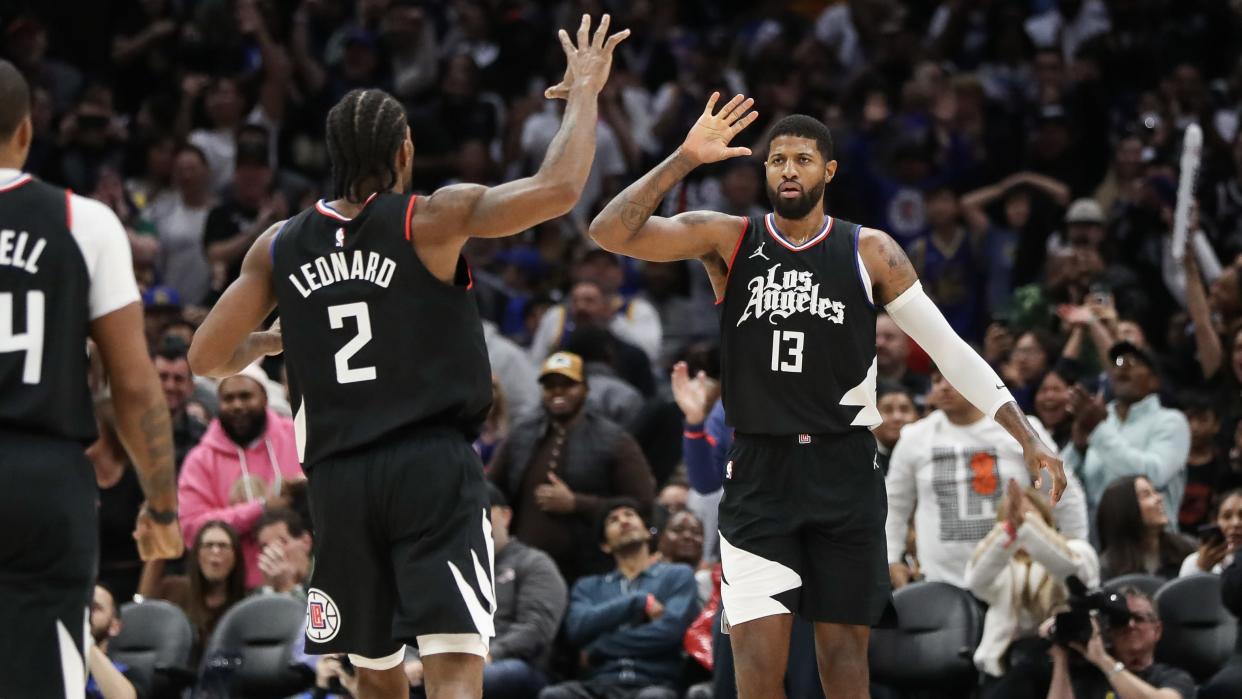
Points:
[[628, 624]]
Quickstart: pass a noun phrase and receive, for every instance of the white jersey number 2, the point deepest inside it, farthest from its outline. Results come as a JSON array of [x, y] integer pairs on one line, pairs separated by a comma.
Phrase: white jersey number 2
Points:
[[787, 343], [31, 341], [362, 316]]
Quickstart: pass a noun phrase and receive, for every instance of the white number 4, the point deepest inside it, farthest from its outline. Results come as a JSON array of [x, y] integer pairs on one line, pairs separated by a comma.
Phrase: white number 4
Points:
[[794, 366], [31, 341], [362, 316]]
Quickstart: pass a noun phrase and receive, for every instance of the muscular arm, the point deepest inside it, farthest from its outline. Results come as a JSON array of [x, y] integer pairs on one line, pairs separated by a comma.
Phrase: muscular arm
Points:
[[626, 225], [895, 286], [227, 342], [142, 419], [463, 211]]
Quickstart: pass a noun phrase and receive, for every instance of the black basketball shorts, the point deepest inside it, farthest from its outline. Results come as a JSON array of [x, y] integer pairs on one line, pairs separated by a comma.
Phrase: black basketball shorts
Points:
[[49, 551], [802, 529], [403, 551]]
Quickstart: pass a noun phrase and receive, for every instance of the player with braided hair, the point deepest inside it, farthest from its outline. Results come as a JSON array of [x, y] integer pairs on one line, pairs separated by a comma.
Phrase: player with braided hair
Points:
[[389, 378]]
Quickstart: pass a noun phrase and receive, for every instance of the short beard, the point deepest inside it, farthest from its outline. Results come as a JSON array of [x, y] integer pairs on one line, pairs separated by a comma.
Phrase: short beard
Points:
[[257, 425], [794, 209]]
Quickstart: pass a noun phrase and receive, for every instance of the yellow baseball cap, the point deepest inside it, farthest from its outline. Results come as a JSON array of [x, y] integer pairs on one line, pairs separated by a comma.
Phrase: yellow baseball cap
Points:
[[565, 364]]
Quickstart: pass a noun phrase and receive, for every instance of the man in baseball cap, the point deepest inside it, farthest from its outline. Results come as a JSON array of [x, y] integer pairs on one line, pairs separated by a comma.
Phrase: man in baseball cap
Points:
[[1084, 221]]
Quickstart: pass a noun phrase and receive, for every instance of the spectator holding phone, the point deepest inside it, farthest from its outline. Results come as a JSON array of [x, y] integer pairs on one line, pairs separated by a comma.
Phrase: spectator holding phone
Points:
[[1219, 541]]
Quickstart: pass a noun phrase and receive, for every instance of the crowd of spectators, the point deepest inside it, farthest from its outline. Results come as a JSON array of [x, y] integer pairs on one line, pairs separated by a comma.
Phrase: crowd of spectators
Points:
[[1024, 151]]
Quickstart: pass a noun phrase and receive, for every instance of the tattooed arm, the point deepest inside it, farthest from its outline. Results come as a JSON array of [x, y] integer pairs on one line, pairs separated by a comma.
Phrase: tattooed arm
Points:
[[896, 287], [626, 225], [142, 422]]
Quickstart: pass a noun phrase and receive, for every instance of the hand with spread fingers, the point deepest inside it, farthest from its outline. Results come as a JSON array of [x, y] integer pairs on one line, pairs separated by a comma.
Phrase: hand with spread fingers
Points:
[[708, 140], [588, 63]]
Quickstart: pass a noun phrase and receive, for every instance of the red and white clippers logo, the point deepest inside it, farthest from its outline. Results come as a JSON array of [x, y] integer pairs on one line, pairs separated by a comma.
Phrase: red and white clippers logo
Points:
[[323, 619]]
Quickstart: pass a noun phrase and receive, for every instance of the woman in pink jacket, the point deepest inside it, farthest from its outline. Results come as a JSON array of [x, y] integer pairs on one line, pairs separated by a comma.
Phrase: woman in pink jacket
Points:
[[245, 462]]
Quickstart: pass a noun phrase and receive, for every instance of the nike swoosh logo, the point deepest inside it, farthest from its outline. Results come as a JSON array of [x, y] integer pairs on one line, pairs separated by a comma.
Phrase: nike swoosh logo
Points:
[[1000, 386]]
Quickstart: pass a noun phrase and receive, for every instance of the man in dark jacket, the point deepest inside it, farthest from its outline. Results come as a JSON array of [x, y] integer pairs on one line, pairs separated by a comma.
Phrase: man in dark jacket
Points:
[[530, 603], [562, 466], [628, 624]]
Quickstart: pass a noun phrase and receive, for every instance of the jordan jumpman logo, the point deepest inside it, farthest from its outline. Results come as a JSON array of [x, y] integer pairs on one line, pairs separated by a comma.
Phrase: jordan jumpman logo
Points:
[[759, 252]]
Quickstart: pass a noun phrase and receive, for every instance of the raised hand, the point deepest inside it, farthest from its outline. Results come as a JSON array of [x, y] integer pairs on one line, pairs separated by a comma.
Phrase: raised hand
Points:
[[708, 140], [1040, 458], [695, 396], [588, 63]]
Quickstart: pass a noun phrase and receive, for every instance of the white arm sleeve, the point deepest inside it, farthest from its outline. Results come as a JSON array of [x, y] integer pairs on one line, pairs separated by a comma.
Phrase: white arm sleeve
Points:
[[105, 249], [919, 318]]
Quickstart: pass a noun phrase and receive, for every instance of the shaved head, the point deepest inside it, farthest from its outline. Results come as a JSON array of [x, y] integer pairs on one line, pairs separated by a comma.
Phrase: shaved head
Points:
[[14, 99]]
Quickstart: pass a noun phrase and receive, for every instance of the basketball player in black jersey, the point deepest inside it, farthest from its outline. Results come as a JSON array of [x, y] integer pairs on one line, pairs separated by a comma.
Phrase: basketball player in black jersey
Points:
[[65, 275], [389, 379], [802, 519]]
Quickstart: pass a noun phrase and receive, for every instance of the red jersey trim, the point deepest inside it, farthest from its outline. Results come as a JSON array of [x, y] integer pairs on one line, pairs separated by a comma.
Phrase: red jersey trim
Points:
[[322, 207], [21, 180], [69, 209], [409, 212], [822, 235], [732, 258]]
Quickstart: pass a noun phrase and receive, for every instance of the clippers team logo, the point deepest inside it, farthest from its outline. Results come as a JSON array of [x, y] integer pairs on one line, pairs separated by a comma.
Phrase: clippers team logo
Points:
[[759, 252], [779, 295], [323, 619], [340, 237]]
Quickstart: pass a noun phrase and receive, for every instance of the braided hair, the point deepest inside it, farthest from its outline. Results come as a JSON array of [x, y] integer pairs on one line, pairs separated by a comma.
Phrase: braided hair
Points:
[[365, 131]]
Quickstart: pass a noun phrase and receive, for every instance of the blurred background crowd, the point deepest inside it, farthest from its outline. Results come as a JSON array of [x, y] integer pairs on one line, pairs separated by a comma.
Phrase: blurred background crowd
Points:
[[1025, 152]]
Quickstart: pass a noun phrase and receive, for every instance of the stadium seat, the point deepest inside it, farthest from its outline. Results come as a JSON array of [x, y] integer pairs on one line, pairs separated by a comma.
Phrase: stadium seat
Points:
[[259, 633], [1199, 633], [155, 642], [938, 628], [1147, 583]]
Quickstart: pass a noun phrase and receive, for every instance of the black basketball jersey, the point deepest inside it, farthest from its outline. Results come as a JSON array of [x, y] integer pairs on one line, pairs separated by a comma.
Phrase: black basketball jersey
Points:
[[798, 333], [45, 314], [374, 343]]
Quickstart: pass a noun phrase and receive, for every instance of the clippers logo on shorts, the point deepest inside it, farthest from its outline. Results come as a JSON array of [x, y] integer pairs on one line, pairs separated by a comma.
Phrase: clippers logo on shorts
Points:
[[323, 619], [782, 294]]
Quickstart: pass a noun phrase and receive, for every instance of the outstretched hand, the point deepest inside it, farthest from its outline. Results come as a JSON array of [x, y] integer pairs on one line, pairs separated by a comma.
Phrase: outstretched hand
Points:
[[588, 63], [708, 140]]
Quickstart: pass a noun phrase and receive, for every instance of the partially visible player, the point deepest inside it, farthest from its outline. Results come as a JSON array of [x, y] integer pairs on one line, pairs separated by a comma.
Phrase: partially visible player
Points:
[[65, 275], [389, 379], [802, 519]]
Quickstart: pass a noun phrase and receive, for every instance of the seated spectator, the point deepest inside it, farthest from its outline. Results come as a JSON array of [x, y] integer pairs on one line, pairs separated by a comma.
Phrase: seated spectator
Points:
[[634, 321], [892, 354], [673, 498], [178, 384], [1029, 360], [285, 551], [1134, 534], [1124, 667], [1134, 436], [120, 499], [1052, 406], [681, 541], [1217, 553], [214, 580], [611, 394], [1019, 570], [1207, 471], [628, 624], [245, 464], [897, 408], [561, 466], [948, 469], [530, 602], [108, 679]]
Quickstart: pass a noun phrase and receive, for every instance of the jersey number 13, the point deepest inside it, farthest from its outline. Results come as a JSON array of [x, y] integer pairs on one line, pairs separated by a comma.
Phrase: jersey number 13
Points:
[[787, 350]]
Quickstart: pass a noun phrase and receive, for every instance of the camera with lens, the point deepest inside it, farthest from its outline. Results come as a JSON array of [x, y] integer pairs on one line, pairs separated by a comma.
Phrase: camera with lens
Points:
[[1074, 626]]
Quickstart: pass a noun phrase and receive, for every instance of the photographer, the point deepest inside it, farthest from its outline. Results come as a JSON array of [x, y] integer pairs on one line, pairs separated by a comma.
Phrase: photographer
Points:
[[1124, 666]]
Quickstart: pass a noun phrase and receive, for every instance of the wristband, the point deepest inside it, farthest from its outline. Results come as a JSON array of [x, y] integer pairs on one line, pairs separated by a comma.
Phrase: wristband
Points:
[[162, 516], [1117, 667]]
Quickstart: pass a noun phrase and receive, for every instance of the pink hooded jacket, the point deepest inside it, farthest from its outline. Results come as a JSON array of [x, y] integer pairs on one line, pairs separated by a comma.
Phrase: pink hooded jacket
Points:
[[220, 480]]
